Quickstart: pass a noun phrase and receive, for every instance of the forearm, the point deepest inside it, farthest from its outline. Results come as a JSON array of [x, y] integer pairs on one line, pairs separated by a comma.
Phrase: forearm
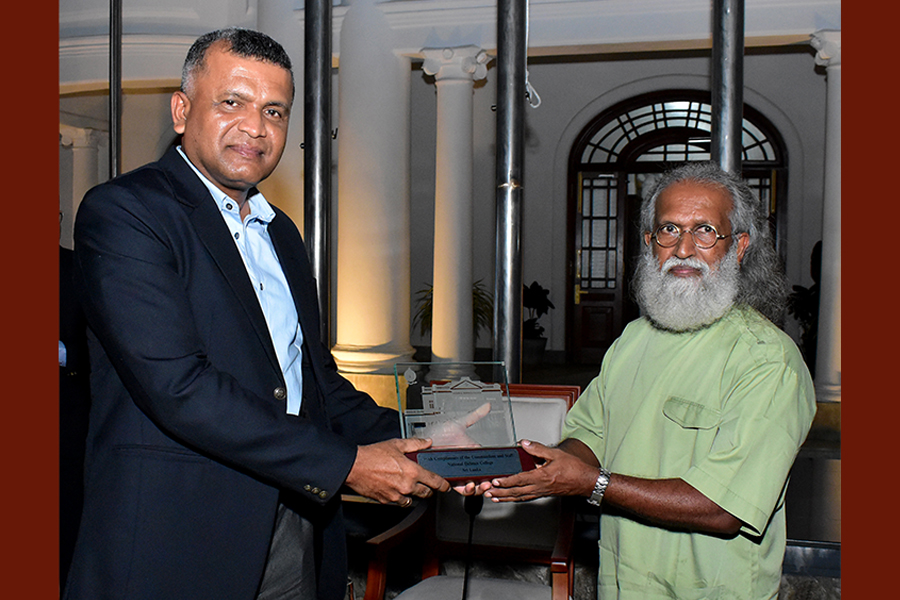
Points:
[[669, 503]]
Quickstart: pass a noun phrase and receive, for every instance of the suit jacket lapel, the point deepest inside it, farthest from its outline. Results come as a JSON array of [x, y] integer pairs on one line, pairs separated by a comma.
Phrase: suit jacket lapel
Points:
[[213, 233]]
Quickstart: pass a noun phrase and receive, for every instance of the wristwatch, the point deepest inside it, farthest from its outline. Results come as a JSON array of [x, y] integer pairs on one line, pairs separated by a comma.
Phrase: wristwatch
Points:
[[599, 487]]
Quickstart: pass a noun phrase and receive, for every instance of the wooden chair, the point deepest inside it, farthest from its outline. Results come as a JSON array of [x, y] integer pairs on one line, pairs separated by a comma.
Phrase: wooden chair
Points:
[[540, 531]]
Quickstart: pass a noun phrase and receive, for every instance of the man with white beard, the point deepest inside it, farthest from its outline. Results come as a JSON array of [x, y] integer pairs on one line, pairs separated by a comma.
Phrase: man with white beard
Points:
[[689, 431]]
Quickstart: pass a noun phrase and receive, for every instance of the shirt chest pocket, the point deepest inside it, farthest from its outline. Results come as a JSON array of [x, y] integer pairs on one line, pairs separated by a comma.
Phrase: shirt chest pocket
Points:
[[691, 415]]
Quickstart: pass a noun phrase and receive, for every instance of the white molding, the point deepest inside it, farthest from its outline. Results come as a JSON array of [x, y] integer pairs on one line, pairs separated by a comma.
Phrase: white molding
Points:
[[828, 48], [79, 137]]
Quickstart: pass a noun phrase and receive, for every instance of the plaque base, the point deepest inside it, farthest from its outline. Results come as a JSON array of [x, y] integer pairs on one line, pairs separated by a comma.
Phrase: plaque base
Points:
[[458, 465]]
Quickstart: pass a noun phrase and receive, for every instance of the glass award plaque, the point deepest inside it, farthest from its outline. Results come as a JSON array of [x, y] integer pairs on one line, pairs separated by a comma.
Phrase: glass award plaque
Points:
[[464, 409]]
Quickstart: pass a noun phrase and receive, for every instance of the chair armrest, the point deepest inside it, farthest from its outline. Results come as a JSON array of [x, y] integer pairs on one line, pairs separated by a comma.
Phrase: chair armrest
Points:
[[383, 543], [402, 530]]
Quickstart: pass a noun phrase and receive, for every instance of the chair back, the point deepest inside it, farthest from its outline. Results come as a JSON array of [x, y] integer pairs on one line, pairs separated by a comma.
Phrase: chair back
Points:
[[538, 415]]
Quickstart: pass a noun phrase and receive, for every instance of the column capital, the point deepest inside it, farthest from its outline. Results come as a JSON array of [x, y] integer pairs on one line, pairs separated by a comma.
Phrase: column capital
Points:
[[827, 42], [461, 62], [79, 137]]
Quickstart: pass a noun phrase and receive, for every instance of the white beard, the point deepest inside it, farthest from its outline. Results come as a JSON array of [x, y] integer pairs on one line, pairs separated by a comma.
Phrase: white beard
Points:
[[686, 303]]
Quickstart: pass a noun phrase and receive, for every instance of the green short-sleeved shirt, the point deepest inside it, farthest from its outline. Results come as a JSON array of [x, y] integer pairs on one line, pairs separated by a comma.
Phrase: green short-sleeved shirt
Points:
[[725, 409]]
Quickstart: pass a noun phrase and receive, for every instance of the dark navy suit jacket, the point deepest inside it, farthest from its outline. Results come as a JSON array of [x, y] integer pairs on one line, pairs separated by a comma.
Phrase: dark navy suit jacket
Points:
[[189, 444]]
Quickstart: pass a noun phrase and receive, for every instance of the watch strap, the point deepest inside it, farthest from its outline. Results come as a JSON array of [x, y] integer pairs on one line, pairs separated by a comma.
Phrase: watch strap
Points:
[[600, 487]]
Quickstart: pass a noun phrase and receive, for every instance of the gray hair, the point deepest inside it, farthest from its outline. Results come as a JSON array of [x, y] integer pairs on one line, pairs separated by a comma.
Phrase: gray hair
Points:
[[242, 42], [762, 283]]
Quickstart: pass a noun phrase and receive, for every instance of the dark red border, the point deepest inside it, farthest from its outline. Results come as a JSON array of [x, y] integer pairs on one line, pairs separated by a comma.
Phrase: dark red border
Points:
[[869, 415], [29, 436], [28, 441]]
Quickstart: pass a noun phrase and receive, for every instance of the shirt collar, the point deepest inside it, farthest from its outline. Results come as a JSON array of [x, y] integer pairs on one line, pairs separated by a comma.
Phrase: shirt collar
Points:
[[260, 209]]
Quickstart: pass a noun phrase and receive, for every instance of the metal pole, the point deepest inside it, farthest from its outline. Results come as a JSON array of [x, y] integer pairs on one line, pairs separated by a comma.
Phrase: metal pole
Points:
[[317, 155], [115, 87], [511, 58], [728, 83]]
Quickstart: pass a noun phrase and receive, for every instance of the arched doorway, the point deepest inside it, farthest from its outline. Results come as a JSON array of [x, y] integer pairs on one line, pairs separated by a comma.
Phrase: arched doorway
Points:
[[615, 158]]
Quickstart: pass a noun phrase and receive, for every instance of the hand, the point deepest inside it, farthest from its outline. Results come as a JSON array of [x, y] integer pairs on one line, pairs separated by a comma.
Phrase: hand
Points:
[[561, 474], [383, 472], [452, 433], [472, 489]]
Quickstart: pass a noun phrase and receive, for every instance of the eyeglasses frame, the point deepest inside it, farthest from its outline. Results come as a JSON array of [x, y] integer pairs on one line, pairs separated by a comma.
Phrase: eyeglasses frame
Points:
[[681, 231]]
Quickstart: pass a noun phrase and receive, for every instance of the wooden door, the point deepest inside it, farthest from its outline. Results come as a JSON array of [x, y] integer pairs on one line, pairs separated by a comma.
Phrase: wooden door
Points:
[[605, 245]]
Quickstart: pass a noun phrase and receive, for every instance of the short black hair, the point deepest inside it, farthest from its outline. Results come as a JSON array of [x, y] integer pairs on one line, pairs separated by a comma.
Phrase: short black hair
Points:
[[242, 42]]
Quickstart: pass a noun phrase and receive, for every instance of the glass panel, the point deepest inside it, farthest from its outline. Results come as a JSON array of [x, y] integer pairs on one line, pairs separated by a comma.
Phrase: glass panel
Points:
[[754, 153], [677, 105], [619, 145], [612, 232], [641, 111], [599, 239], [752, 130], [600, 204], [611, 264], [748, 139], [598, 264]]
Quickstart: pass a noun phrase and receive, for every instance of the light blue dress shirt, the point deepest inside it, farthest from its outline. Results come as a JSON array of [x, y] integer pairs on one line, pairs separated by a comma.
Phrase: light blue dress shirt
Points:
[[251, 236]]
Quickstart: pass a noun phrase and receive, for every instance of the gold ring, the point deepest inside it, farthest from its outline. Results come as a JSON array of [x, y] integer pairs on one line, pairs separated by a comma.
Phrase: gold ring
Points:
[[406, 501]]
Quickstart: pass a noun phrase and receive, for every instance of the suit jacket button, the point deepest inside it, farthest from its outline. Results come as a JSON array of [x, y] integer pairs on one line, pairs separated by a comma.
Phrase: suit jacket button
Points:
[[323, 494], [315, 490], [280, 393], [307, 487]]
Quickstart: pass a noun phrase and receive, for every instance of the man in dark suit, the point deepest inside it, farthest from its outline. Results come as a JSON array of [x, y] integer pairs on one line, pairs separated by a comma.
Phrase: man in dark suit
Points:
[[220, 431]]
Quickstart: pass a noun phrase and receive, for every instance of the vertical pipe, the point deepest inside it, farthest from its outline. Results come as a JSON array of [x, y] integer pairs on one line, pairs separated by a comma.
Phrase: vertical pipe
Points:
[[317, 155], [115, 87], [728, 83], [511, 58]]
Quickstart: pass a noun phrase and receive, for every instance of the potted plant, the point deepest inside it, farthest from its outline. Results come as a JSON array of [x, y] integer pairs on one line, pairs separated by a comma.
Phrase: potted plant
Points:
[[536, 300], [482, 309]]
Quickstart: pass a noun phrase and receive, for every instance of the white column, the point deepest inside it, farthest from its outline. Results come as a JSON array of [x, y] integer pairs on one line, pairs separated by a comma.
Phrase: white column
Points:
[[373, 262], [828, 350], [79, 151], [455, 70], [826, 475]]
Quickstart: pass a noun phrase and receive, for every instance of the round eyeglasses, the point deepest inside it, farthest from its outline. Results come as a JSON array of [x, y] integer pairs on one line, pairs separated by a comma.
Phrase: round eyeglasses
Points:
[[705, 236]]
